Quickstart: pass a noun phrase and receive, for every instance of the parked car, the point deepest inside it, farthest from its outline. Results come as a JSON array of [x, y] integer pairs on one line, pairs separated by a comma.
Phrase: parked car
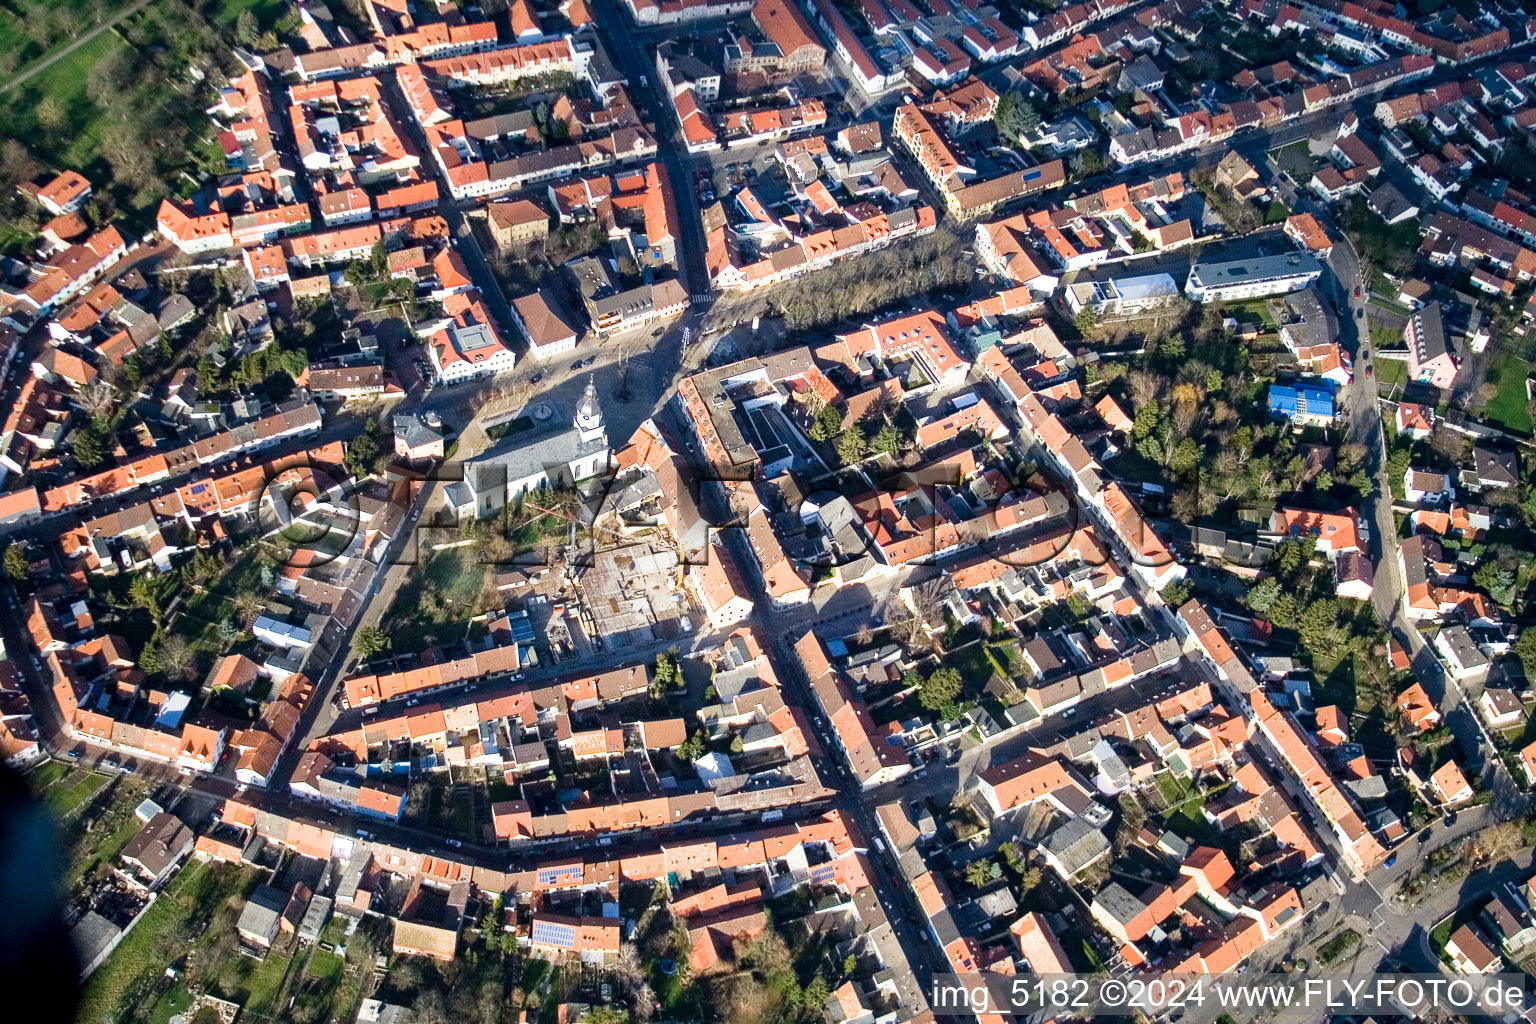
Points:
[[74, 755], [453, 843]]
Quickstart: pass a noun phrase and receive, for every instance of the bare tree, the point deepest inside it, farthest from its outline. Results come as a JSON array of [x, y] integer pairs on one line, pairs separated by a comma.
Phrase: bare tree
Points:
[[911, 621], [96, 397], [247, 606], [176, 656], [1499, 842], [1448, 443], [1144, 387]]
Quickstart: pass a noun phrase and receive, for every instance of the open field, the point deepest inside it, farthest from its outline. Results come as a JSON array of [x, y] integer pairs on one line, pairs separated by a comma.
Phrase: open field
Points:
[[182, 909], [1509, 407]]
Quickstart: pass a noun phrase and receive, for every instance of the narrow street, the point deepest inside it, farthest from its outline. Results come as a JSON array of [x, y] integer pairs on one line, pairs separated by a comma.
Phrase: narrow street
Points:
[[631, 59]]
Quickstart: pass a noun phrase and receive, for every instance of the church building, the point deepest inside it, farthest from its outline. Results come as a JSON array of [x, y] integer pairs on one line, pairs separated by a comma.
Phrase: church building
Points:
[[538, 451]]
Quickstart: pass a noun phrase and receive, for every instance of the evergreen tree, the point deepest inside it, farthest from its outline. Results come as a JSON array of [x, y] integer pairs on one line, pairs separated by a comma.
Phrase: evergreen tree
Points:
[[17, 566]]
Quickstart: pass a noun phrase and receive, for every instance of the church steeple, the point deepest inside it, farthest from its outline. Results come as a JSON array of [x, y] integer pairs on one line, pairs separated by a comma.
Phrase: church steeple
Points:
[[589, 413]]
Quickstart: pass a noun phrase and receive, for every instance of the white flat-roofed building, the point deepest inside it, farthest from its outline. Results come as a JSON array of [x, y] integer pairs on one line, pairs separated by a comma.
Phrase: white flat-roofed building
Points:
[[1123, 296], [1253, 278]]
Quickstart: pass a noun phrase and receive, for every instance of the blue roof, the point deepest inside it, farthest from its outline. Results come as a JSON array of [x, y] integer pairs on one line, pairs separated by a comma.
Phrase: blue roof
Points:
[[1300, 400]]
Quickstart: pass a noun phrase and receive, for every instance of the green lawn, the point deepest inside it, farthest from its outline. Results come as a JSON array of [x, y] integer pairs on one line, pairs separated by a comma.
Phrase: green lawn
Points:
[[1440, 936], [325, 966], [266, 983], [24, 37], [436, 601], [45, 775], [175, 1001], [74, 145], [1385, 337], [1391, 371], [1509, 407], [183, 908], [1255, 308], [66, 796], [1186, 807]]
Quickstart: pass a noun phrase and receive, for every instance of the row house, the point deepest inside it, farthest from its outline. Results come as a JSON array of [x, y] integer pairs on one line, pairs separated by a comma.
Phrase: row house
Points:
[[1309, 777], [870, 75], [873, 755], [729, 271], [1201, 128], [294, 420], [59, 277]]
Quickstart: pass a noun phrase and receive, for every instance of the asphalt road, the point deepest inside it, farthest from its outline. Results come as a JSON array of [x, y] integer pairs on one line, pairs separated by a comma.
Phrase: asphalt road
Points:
[[463, 237], [783, 628], [630, 56], [856, 805], [1349, 292]]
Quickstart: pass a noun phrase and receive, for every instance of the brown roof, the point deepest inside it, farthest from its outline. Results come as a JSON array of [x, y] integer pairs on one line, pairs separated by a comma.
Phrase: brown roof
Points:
[[516, 213], [161, 841], [544, 325]]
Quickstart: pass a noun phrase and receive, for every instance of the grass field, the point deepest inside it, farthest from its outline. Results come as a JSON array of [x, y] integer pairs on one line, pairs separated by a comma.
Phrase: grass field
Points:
[[30, 29], [1296, 161], [145, 56], [176, 1000], [436, 601], [75, 144], [325, 966], [1391, 371], [1509, 407], [1253, 309], [45, 775], [1385, 337], [184, 906], [267, 982], [65, 796]]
